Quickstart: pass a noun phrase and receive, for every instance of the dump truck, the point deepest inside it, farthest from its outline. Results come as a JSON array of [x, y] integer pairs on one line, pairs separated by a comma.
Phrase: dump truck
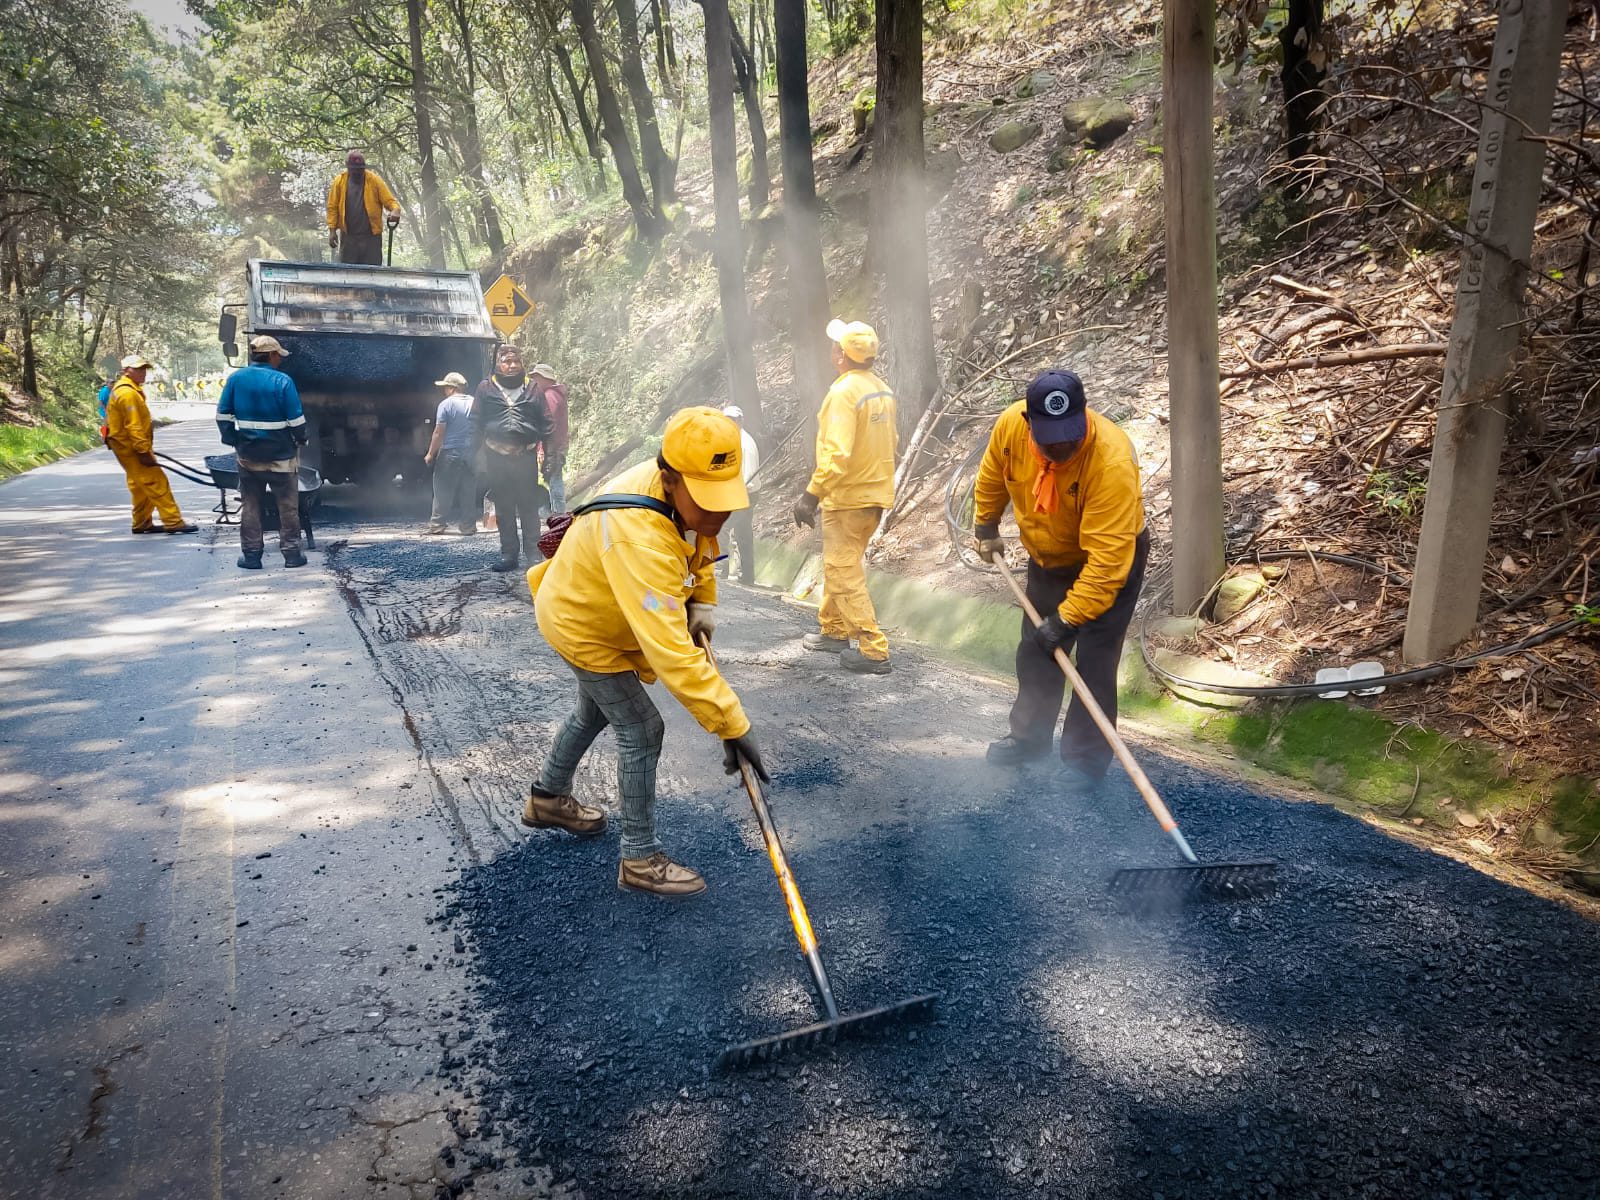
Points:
[[365, 345]]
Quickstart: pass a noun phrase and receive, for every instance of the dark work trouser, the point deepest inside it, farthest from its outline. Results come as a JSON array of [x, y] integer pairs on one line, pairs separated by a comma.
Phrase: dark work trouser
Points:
[[455, 487], [361, 247], [1040, 683], [253, 488], [513, 481]]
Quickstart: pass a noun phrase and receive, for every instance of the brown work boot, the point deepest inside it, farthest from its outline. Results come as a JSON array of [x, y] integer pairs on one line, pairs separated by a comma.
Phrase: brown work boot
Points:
[[563, 812], [658, 875]]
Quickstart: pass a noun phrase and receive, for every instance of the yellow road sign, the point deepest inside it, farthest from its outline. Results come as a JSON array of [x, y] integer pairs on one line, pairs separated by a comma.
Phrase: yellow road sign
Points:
[[509, 305]]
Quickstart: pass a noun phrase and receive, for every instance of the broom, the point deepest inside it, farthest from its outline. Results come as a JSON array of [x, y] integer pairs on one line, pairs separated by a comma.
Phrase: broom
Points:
[[1151, 885]]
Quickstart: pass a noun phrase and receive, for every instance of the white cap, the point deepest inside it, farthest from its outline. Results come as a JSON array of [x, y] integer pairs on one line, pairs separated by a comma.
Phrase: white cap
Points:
[[455, 379], [132, 362], [265, 344], [733, 411], [544, 369]]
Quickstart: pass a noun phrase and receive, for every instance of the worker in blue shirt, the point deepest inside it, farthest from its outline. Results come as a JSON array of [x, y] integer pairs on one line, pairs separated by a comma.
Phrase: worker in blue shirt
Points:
[[259, 415]]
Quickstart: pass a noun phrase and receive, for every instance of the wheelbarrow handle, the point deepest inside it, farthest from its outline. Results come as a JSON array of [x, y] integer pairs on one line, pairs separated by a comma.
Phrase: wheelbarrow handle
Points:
[[185, 471]]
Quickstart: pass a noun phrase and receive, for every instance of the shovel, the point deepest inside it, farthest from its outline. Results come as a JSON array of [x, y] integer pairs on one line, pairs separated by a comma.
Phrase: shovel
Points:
[[832, 1026], [1149, 886]]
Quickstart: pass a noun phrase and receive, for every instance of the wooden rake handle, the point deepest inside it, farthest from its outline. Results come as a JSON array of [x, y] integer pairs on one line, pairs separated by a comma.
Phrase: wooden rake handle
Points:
[[1152, 798]]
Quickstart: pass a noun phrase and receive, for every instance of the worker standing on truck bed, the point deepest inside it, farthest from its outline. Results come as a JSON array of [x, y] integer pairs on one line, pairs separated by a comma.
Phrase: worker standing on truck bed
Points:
[[357, 201], [259, 415], [455, 483], [131, 437], [510, 423], [1072, 478], [630, 588], [853, 484]]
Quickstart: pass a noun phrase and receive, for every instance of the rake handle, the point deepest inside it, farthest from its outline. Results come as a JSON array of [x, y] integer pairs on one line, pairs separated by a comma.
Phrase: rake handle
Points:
[[798, 917], [1152, 798]]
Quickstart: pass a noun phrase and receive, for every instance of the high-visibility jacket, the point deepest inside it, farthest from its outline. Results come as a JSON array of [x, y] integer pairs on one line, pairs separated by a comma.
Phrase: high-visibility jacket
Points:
[[259, 414], [375, 195], [128, 425], [1099, 515], [613, 599], [855, 444]]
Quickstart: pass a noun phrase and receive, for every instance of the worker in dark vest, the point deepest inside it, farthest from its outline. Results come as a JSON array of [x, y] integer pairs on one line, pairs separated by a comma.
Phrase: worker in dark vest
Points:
[[511, 422], [357, 202], [1072, 479], [259, 415]]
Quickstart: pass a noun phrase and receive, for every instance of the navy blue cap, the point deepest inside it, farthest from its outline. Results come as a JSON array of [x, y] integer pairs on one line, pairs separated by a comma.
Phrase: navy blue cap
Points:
[[1056, 408]]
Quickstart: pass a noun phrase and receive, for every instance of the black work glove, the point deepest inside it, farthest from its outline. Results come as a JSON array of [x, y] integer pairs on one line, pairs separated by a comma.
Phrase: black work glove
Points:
[[1049, 635], [986, 540], [732, 748], [805, 510]]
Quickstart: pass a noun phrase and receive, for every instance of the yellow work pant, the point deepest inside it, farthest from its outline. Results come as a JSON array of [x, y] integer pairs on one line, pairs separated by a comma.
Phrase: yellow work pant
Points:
[[846, 610], [150, 491]]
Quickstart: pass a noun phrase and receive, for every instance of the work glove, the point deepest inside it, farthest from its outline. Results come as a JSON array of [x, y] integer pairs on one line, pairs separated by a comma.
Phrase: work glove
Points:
[[986, 540], [333, 239], [1049, 634], [702, 620], [732, 748], [148, 459], [805, 510]]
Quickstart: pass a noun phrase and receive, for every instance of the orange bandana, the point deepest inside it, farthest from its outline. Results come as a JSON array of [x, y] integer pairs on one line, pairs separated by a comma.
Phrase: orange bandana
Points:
[[1046, 496]]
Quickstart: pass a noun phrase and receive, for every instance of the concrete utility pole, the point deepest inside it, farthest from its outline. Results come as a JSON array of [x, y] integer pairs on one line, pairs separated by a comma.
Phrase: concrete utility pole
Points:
[[1188, 33], [1485, 331]]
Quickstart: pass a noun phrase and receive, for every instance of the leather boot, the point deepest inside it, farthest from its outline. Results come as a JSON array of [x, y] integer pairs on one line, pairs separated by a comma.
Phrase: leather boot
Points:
[[504, 565], [250, 562], [294, 558], [852, 659], [659, 876], [563, 812], [1011, 751], [826, 644]]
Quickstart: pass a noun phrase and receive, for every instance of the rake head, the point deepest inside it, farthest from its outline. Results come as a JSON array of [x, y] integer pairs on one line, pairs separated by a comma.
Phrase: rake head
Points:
[[823, 1033], [1152, 887]]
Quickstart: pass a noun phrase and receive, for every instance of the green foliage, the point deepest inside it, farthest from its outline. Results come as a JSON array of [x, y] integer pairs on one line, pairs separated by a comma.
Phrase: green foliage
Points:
[[1399, 492], [1588, 614]]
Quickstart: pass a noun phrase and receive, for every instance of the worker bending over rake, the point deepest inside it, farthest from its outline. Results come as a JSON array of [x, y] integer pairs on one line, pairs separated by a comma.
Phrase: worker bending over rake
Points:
[[1072, 479], [628, 589]]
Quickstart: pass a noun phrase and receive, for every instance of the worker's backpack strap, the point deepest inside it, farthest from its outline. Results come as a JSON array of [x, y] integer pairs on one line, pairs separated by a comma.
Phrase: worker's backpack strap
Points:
[[557, 524]]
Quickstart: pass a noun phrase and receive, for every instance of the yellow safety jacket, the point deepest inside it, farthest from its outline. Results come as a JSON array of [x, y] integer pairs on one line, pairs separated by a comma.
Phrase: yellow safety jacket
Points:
[[613, 599], [375, 195], [128, 425], [1099, 514], [855, 444]]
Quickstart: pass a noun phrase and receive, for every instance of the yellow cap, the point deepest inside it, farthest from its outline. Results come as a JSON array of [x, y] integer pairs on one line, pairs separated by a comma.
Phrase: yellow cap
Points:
[[858, 340], [702, 445]]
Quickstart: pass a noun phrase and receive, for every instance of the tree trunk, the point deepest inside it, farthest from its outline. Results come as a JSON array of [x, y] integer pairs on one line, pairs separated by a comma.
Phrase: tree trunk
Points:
[[612, 127], [591, 136], [472, 142], [1302, 77], [738, 334], [808, 281], [432, 226], [590, 186], [661, 169], [666, 60], [100, 317], [899, 220], [744, 71]]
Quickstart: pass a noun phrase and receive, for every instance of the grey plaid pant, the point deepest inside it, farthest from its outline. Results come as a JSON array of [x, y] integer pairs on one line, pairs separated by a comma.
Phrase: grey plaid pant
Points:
[[621, 702]]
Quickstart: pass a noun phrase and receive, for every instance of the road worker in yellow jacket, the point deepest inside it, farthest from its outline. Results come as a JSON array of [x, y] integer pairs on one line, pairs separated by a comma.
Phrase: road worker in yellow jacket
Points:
[[853, 484], [131, 437], [357, 201], [1072, 479], [630, 587]]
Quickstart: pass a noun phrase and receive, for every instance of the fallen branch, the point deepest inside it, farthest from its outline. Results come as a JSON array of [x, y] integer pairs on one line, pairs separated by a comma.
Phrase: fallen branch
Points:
[[1343, 358]]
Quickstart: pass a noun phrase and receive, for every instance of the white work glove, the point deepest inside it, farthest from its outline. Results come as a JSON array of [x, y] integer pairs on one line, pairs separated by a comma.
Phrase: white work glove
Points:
[[702, 619]]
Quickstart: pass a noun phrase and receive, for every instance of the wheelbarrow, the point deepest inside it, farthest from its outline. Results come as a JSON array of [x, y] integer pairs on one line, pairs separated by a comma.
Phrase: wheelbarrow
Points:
[[222, 473]]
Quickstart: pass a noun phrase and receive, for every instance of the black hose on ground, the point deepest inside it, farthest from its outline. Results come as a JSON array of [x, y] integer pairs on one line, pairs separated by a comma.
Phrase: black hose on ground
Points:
[[960, 537]]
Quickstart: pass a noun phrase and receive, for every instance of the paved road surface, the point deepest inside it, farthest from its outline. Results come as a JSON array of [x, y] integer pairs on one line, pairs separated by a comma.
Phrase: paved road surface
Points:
[[1395, 1024]]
